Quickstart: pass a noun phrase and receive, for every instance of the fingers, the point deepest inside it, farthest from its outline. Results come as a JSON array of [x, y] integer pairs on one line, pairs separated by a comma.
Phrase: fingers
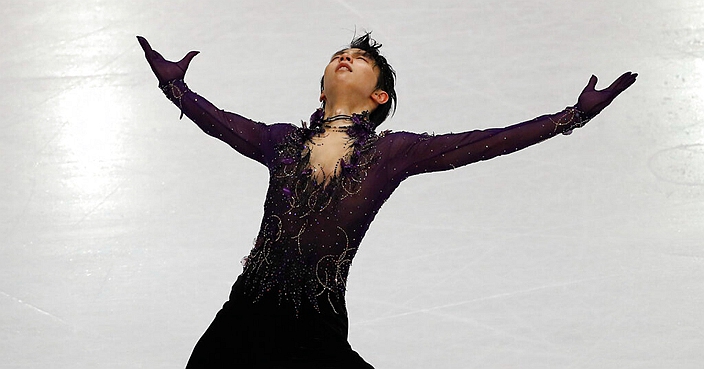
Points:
[[591, 85], [183, 63], [620, 81], [629, 79], [623, 82], [150, 53], [145, 44], [592, 82]]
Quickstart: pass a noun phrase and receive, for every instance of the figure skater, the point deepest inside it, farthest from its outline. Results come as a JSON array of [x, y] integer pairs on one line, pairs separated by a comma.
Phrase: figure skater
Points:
[[327, 180]]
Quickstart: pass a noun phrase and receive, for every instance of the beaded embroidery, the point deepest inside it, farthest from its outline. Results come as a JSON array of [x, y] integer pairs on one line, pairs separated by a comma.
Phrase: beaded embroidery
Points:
[[281, 262], [174, 92], [573, 119], [311, 229]]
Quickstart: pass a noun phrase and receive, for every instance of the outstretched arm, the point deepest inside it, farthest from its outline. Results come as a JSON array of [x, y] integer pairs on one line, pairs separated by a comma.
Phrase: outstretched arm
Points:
[[250, 138], [422, 154]]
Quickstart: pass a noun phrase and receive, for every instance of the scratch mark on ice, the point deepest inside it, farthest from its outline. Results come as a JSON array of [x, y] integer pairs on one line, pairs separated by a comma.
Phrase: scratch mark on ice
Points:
[[486, 298], [34, 308]]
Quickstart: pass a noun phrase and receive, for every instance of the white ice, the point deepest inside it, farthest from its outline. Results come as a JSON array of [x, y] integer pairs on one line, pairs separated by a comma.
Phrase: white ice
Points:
[[122, 227]]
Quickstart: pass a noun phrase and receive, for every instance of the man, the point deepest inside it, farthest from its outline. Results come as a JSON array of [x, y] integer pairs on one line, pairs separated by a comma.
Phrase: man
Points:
[[327, 182]]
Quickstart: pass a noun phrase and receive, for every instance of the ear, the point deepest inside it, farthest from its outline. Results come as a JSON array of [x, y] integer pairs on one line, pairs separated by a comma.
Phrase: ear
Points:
[[380, 97], [322, 97]]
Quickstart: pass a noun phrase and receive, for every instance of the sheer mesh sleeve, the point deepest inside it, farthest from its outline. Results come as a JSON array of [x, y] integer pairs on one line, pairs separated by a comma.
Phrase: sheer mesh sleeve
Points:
[[252, 139], [416, 153]]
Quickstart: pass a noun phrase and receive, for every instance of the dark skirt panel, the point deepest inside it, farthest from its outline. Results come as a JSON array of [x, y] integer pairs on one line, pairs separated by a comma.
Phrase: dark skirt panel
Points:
[[267, 334]]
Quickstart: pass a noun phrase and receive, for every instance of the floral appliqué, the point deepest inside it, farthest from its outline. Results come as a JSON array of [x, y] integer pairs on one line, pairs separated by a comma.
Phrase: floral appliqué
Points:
[[280, 261]]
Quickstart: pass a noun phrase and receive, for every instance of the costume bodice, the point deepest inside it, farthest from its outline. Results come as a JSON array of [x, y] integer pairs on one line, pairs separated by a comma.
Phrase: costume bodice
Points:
[[311, 230]]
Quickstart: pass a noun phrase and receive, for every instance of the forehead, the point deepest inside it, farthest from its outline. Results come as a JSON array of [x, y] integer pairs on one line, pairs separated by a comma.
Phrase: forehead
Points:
[[352, 51]]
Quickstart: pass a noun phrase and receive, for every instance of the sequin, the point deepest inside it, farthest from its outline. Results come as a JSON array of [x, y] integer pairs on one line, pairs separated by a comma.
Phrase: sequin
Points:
[[311, 229], [292, 257]]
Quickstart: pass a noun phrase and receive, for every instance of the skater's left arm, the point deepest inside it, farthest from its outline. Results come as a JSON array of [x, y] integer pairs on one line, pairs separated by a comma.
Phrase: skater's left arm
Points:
[[424, 153]]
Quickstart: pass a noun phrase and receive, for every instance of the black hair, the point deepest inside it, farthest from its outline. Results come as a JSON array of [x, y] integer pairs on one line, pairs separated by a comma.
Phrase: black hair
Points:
[[385, 81]]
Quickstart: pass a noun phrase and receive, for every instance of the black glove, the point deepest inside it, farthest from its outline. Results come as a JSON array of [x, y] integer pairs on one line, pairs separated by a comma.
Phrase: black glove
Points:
[[163, 69], [592, 102]]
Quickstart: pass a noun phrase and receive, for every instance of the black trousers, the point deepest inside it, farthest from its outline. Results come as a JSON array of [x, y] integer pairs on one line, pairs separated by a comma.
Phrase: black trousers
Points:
[[266, 334]]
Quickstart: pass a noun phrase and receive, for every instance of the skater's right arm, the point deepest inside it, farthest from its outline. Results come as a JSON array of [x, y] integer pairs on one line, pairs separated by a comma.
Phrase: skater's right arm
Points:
[[249, 138]]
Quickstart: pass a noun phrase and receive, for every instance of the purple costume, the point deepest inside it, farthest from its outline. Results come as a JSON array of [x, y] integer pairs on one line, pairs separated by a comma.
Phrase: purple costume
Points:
[[287, 308]]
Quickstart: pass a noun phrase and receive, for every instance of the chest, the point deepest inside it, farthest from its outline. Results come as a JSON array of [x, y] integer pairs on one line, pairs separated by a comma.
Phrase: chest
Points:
[[325, 155], [318, 174]]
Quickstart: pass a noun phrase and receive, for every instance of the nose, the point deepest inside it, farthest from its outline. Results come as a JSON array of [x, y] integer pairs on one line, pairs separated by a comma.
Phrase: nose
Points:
[[345, 57]]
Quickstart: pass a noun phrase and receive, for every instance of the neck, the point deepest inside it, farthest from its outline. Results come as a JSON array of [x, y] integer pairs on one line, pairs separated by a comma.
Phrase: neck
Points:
[[337, 120], [356, 124], [341, 107], [337, 124]]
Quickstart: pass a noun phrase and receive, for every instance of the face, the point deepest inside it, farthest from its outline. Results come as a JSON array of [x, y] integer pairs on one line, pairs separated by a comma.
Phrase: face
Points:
[[350, 71]]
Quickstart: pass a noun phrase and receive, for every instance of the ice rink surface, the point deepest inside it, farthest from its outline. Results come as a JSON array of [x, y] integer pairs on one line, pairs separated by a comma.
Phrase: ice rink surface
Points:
[[122, 228]]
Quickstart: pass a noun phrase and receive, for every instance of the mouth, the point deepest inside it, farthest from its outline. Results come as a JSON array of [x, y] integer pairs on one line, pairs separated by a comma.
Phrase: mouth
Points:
[[343, 66]]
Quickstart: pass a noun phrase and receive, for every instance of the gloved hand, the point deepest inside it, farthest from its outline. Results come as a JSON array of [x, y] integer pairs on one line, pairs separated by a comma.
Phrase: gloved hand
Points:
[[592, 102], [163, 69]]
